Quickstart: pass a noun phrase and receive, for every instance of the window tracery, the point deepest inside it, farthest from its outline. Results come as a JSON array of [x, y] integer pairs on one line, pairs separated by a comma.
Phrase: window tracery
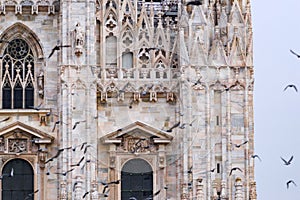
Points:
[[18, 80]]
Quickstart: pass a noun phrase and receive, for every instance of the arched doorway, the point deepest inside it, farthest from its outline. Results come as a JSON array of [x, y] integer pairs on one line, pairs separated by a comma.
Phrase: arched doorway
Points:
[[136, 180], [21, 184]]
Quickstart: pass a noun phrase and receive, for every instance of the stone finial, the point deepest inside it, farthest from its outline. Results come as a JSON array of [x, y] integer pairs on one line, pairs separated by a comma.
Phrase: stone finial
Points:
[[238, 189], [199, 190]]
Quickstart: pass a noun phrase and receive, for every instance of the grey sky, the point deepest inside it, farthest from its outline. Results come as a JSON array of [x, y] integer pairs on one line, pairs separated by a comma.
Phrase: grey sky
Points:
[[276, 27]]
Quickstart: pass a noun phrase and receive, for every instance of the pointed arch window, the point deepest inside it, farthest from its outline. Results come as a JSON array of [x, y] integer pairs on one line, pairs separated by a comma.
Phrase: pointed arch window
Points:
[[18, 80], [127, 60], [111, 51]]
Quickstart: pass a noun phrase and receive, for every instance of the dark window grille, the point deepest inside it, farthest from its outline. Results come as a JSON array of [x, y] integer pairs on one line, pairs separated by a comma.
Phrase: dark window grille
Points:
[[21, 184]]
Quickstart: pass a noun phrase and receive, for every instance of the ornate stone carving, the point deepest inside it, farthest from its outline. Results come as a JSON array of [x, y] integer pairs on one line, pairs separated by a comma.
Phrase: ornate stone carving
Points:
[[136, 145], [79, 39], [253, 195], [41, 83], [17, 145], [94, 193], [63, 191]]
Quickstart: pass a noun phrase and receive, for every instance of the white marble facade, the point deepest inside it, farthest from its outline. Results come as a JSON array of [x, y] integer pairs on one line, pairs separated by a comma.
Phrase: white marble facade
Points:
[[161, 81]]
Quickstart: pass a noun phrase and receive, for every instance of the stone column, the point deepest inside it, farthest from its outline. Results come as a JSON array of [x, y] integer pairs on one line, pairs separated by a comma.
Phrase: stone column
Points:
[[253, 195], [223, 190], [63, 191]]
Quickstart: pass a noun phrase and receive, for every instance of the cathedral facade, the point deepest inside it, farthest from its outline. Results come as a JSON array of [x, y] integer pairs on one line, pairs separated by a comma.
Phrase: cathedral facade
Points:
[[126, 100]]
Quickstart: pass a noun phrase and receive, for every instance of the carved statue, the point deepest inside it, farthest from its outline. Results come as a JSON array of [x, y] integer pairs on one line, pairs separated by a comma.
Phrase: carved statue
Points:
[[79, 39]]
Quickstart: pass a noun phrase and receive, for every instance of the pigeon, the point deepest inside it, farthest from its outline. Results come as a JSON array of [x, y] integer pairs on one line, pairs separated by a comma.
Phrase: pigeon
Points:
[[57, 48], [174, 126], [289, 182], [256, 156], [291, 86], [298, 56], [287, 162], [233, 169]]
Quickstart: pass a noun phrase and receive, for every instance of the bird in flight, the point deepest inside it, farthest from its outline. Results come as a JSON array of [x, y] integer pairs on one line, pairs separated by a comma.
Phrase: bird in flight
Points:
[[65, 173], [57, 48], [233, 169], [298, 56], [256, 156], [182, 126], [174, 126], [36, 107], [287, 162], [57, 154], [78, 163], [289, 182], [76, 123], [5, 119], [291, 86], [194, 3], [30, 195], [239, 145], [11, 174]]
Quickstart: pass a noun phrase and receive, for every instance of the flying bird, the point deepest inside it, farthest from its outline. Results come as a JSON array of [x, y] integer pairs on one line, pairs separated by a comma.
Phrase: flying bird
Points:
[[36, 107], [212, 170], [30, 195], [256, 156], [86, 147], [239, 145], [5, 119], [48, 171], [233, 169], [287, 162], [110, 183], [11, 174], [57, 154], [194, 3], [298, 56], [85, 194], [56, 123], [78, 163], [57, 48], [190, 170], [291, 86], [182, 126], [65, 173], [174, 126], [76, 123], [289, 182]]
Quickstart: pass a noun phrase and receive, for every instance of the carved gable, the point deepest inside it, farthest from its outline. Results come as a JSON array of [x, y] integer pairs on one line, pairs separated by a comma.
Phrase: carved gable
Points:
[[137, 137], [21, 138]]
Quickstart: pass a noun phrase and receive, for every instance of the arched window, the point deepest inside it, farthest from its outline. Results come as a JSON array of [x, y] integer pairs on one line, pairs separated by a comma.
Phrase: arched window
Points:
[[21, 183], [111, 51], [136, 180], [18, 79], [127, 60]]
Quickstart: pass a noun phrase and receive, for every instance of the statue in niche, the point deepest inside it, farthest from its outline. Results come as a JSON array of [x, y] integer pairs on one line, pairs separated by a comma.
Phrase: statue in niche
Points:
[[79, 39]]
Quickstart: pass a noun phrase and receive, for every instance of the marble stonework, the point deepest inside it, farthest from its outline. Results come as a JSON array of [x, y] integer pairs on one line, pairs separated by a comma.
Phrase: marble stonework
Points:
[[127, 77]]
